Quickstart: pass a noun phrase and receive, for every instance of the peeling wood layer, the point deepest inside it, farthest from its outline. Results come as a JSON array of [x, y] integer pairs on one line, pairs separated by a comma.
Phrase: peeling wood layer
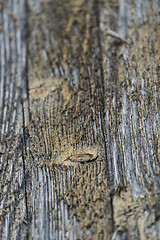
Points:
[[79, 119]]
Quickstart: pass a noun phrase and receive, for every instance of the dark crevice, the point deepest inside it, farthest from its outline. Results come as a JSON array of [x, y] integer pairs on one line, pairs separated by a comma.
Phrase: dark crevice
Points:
[[24, 157], [112, 214], [25, 138]]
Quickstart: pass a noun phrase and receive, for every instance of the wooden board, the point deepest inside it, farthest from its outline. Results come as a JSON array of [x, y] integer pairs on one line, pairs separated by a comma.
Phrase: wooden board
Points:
[[79, 119]]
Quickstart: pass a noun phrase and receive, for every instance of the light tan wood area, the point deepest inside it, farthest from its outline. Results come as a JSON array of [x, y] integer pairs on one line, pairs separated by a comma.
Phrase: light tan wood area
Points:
[[79, 119]]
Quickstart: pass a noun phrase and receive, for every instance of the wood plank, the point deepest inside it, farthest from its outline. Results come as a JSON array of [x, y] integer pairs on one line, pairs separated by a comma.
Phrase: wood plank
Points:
[[86, 126]]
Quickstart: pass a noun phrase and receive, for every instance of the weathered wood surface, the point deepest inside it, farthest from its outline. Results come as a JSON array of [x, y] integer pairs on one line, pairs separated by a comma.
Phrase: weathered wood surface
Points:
[[69, 86]]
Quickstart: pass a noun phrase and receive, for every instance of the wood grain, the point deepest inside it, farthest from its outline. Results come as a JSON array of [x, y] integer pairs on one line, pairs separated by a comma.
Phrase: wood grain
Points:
[[79, 119]]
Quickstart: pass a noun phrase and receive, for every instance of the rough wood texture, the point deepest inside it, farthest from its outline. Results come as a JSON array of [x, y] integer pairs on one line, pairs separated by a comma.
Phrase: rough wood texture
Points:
[[79, 119]]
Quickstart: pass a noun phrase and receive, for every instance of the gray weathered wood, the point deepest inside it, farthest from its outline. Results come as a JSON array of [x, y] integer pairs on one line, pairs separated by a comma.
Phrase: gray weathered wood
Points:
[[79, 119]]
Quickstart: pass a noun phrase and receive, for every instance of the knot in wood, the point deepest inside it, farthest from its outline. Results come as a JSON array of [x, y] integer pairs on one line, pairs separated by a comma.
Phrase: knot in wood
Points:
[[81, 158]]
